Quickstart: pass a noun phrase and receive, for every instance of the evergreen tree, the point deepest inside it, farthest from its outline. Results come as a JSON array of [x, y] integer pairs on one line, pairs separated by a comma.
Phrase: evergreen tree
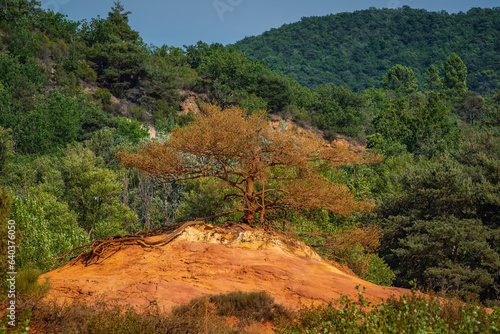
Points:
[[119, 23], [401, 80], [433, 81], [455, 75], [442, 228]]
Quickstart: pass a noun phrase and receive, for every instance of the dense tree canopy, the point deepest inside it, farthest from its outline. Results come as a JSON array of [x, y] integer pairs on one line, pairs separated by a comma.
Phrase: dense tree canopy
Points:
[[268, 169], [357, 49]]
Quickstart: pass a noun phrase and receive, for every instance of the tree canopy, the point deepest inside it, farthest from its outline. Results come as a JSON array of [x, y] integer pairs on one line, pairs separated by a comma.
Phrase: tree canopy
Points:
[[357, 49], [268, 169]]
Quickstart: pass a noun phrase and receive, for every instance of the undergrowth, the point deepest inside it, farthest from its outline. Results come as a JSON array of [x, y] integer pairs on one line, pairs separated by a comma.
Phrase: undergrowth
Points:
[[235, 312], [209, 314], [413, 313]]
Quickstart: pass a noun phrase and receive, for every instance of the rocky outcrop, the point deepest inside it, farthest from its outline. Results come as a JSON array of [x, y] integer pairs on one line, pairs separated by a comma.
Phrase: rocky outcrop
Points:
[[202, 260]]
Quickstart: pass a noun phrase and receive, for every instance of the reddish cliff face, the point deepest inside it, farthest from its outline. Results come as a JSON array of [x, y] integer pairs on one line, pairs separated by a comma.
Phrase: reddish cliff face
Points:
[[208, 260]]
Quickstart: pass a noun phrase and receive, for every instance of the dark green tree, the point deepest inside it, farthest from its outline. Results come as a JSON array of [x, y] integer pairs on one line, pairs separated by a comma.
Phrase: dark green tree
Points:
[[119, 23], [442, 228], [417, 123], [455, 75], [433, 81], [471, 107], [401, 80], [6, 148]]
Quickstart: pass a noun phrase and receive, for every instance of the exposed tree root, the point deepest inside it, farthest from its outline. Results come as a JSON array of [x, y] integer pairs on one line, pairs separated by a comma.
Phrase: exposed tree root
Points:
[[100, 248]]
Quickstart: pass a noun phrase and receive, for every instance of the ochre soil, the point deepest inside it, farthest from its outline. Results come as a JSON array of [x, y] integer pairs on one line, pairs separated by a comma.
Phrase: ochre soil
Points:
[[203, 260]]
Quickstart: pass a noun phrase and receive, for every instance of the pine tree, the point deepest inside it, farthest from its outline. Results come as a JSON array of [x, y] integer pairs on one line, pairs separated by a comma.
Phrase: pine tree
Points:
[[433, 81], [401, 80], [268, 170], [455, 75]]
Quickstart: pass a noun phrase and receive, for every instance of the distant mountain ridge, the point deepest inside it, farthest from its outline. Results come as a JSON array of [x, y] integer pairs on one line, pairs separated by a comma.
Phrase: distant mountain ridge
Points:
[[356, 49]]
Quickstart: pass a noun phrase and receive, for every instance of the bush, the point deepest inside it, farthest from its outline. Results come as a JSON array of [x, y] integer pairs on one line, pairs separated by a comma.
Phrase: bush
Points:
[[413, 313], [103, 96], [27, 281], [246, 306], [201, 315]]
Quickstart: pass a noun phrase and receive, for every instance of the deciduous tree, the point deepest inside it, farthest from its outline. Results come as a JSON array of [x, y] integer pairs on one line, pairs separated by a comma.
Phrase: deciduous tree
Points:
[[267, 169]]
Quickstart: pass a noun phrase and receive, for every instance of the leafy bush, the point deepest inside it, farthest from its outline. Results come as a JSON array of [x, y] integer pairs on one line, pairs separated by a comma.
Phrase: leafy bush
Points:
[[132, 130], [413, 313], [41, 235], [243, 305]]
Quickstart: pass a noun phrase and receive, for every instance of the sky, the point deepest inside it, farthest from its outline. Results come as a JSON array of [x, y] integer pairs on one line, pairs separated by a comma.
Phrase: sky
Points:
[[185, 22]]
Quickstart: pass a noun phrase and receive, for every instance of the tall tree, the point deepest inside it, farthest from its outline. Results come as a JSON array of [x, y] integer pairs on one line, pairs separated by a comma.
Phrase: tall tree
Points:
[[455, 75], [268, 170], [94, 192], [119, 19], [442, 228]]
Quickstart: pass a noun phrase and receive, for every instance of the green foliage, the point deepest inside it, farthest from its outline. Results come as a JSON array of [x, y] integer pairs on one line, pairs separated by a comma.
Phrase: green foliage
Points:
[[41, 236], [204, 198], [27, 282], [103, 96], [455, 75], [379, 272], [401, 80], [337, 108], [433, 81], [416, 122], [5, 206], [245, 305], [442, 227], [119, 66], [471, 107], [94, 193], [357, 49], [234, 80], [132, 130], [21, 327], [6, 147], [21, 80], [412, 313]]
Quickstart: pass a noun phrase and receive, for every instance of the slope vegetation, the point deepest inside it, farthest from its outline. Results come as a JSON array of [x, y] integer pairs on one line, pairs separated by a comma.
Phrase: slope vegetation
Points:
[[357, 49]]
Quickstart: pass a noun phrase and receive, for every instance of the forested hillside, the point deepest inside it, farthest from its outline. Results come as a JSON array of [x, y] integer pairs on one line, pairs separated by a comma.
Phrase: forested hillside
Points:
[[356, 49], [419, 91]]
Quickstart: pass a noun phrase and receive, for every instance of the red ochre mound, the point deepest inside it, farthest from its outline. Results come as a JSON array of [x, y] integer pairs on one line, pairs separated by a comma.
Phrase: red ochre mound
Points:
[[202, 260]]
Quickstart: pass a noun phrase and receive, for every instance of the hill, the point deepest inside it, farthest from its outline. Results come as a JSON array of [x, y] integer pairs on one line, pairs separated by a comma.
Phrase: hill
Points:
[[202, 260], [356, 49]]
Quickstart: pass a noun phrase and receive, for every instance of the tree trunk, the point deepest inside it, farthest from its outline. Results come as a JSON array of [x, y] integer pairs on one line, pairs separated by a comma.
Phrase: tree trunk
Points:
[[250, 203]]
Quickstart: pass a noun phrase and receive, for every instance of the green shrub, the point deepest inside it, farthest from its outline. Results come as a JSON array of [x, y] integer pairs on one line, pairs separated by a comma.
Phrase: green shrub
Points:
[[413, 313], [21, 326], [103, 96], [132, 130], [243, 305], [27, 281]]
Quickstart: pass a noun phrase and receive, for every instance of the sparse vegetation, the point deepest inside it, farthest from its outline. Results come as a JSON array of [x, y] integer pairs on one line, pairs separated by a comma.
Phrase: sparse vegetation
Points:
[[413, 313]]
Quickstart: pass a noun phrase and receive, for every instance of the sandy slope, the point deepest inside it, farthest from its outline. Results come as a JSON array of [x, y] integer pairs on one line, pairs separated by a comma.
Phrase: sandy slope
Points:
[[208, 260]]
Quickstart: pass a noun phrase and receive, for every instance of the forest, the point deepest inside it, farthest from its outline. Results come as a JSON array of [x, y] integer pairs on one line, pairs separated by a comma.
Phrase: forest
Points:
[[357, 49], [77, 99]]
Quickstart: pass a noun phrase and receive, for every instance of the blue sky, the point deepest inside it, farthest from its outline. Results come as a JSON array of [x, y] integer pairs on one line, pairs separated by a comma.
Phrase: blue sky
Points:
[[186, 22]]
